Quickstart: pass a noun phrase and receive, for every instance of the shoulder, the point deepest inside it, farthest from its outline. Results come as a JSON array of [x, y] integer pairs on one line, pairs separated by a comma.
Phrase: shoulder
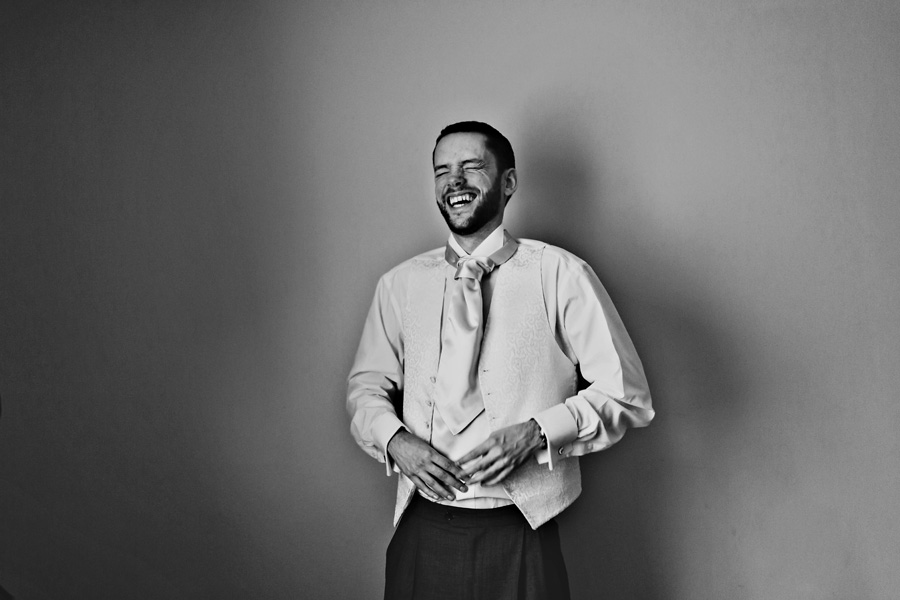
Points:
[[556, 258], [427, 261]]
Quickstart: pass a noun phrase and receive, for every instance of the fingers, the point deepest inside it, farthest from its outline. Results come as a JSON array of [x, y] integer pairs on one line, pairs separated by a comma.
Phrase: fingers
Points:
[[475, 467], [437, 484], [487, 465], [479, 450], [485, 474], [437, 477], [451, 468], [440, 481], [493, 466], [484, 454], [422, 463], [447, 473], [434, 474], [438, 487], [503, 474], [424, 489]]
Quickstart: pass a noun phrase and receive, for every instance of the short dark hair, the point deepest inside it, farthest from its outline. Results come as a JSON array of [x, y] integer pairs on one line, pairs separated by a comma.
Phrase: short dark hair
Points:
[[496, 141]]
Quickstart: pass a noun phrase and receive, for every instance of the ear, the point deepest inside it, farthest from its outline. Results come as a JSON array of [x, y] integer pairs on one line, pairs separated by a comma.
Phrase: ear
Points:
[[510, 182]]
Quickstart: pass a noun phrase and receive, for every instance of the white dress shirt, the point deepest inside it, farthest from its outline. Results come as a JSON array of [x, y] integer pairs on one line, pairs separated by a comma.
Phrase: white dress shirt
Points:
[[584, 323]]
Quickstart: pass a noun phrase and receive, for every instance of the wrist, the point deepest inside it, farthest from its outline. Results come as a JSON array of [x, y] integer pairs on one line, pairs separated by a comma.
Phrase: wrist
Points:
[[392, 442], [540, 437]]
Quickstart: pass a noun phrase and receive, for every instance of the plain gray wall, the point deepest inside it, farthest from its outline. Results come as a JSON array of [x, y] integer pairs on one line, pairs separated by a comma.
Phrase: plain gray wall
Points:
[[197, 198]]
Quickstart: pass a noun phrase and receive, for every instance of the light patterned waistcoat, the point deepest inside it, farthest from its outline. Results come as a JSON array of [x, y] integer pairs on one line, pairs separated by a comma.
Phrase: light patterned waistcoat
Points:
[[522, 370]]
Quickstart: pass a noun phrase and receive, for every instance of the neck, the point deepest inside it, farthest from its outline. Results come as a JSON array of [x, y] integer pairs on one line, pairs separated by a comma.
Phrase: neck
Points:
[[473, 240]]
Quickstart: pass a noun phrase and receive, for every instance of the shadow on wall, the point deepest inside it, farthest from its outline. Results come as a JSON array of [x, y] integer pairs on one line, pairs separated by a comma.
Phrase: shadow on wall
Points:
[[618, 536], [4, 595]]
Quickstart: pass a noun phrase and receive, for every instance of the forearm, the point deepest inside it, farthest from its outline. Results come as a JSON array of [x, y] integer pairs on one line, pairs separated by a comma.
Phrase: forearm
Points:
[[603, 420], [592, 335], [591, 421], [373, 422], [375, 383]]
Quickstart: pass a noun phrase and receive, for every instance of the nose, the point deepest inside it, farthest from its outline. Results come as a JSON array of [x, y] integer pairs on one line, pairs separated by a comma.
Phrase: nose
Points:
[[456, 179]]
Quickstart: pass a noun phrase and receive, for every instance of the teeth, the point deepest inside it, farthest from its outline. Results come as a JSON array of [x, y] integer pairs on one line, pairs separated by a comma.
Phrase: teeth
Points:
[[461, 199]]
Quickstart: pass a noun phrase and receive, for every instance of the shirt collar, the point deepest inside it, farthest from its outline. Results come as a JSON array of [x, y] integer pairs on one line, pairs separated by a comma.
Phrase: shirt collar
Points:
[[491, 244]]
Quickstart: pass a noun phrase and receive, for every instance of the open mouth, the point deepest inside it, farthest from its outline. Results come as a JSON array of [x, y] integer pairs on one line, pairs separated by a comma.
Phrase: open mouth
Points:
[[460, 199]]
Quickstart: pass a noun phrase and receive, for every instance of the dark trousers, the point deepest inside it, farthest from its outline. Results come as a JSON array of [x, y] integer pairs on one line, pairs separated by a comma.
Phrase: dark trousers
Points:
[[441, 552]]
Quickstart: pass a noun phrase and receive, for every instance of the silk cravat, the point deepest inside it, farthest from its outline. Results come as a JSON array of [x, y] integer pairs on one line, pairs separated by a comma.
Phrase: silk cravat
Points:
[[457, 394]]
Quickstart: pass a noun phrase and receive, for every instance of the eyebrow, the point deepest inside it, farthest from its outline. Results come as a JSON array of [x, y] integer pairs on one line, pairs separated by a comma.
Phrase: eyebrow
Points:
[[468, 161]]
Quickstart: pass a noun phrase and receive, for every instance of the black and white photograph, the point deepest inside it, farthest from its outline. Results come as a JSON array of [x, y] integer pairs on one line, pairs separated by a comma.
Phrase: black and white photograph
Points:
[[405, 300]]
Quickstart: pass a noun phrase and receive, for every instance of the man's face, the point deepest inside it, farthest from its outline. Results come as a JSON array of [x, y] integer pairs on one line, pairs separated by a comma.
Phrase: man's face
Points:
[[467, 183]]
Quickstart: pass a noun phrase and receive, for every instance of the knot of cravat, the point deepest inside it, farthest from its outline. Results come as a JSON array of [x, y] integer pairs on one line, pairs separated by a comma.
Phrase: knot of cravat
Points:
[[475, 268]]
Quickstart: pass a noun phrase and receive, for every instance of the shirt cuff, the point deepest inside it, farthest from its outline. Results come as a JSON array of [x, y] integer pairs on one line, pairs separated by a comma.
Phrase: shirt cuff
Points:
[[383, 429], [559, 427]]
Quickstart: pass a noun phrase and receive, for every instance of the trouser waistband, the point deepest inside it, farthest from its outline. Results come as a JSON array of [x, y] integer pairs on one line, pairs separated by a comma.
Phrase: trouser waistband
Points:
[[463, 517]]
